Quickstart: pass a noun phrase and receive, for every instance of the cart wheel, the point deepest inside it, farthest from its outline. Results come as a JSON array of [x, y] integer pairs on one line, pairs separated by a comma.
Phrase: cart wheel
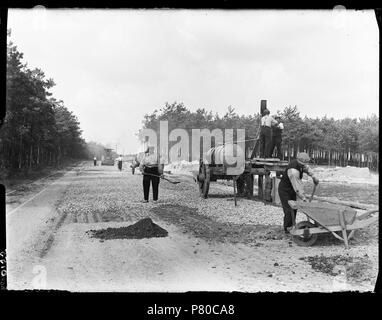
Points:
[[204, 180], [305, 241]]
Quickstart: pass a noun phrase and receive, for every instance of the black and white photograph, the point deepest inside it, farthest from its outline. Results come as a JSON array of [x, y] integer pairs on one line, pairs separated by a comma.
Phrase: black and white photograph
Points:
[[181, 150]]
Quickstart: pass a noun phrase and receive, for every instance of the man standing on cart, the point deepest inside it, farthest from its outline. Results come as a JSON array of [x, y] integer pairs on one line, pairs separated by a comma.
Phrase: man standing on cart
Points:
[[277, 138], [267, 122], [291, 186]]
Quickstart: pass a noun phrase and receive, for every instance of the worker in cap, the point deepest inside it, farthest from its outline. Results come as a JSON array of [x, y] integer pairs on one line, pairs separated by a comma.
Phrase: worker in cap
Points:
[[151, 167], [291, 186], [277, 131], [267, 121], [119, 162]]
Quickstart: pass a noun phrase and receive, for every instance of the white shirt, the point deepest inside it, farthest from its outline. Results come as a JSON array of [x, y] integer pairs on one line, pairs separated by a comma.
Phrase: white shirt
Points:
[[151, 160], [294, 177], [268, 121]]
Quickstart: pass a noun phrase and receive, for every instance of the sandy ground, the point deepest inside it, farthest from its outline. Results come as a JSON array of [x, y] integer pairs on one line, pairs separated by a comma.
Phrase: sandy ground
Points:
[[211, 244]]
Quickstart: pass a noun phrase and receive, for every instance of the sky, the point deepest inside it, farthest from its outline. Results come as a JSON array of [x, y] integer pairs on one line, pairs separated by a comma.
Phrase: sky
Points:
[[111, 67]]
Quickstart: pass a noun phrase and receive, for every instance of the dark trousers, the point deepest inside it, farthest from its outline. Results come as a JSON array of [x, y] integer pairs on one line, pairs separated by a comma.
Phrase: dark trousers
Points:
[[120, 165], [285, 195], [276, 143], [154, 182], [95, 162], [265, 142]]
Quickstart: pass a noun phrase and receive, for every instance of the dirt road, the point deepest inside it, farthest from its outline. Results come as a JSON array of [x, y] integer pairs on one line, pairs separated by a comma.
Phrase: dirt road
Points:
[[211, 245]]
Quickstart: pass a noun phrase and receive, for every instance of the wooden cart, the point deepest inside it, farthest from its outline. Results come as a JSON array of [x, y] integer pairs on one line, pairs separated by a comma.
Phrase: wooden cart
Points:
[[341, 221], [244, 182], [253, 166]]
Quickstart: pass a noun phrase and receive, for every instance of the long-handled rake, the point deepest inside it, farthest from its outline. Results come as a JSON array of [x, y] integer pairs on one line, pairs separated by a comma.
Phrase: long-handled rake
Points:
[[164, 178]]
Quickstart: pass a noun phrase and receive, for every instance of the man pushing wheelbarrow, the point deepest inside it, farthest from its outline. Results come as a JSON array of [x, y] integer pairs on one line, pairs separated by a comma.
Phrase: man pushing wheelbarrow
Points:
[[340, 219], [291, 186]]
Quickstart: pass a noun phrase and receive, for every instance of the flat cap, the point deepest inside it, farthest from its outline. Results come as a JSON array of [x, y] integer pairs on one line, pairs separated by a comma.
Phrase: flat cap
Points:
[[303, 157]]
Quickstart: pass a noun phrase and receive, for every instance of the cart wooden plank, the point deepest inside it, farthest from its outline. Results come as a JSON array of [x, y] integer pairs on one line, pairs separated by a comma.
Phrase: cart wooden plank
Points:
[[357, 224]]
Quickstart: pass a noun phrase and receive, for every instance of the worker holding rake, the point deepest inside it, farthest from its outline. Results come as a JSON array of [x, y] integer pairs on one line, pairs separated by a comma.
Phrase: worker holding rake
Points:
[[291, 186], [152, 170]]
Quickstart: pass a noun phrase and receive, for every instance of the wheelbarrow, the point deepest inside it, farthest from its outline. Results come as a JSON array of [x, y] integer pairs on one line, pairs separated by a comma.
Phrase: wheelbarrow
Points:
[[339, 220]]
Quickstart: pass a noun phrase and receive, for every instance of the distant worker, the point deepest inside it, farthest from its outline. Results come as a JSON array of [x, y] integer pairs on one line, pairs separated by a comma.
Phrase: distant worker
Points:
[[95, 161], [266, 134], [277, 131], [134, 164], [152, 170], [291, 186], [119, 160]]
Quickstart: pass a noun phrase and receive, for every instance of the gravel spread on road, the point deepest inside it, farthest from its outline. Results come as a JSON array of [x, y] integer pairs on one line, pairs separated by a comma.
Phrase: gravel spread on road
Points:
[[355, 269], [115, 197]]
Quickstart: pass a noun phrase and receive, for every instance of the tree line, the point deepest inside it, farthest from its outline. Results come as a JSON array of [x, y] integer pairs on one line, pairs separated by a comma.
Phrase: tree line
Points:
[[328, 141], [38, 130]]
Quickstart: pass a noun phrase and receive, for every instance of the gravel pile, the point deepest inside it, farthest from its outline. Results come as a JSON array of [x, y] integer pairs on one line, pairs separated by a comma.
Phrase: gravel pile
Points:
[[144, 228]]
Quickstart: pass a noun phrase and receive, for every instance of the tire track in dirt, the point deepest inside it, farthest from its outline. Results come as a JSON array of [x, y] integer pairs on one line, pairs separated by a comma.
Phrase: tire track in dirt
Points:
[[64, 217], [85, 217], [49, 242], [95, 216]]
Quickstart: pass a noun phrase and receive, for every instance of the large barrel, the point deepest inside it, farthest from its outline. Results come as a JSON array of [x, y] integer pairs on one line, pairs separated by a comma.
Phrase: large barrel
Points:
[[225, 154]]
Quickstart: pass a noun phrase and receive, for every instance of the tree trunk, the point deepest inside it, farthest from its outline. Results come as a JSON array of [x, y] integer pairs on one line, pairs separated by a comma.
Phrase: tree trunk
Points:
[[30, 157], [10, 156], [377, 163], [20, 151], [38, 155], [359, 160], [329, 158], [59, 155]]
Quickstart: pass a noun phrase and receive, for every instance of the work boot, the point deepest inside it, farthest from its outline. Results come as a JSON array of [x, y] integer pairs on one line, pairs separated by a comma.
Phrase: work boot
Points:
[[145, 201]]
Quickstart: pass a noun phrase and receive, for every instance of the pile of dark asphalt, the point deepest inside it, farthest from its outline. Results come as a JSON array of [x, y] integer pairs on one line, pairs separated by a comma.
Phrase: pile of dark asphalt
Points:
[[144, 228]]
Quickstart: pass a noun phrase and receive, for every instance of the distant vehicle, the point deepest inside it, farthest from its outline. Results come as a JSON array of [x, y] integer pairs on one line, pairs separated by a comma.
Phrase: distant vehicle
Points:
[[108, 160]]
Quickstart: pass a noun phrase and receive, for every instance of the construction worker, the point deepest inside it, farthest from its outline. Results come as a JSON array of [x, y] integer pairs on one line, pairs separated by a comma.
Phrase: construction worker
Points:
[[119, 161], [291, 186], [267, 122], [277, 137], [133, 165], [152, 170], [95, 161]]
